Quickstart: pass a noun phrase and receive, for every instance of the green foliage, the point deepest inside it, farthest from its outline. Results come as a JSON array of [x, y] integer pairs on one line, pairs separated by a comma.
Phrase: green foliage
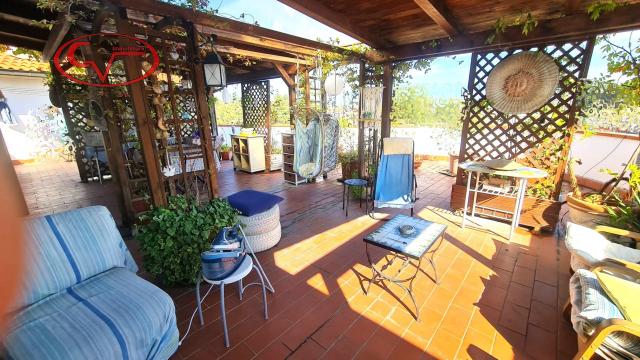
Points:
[[597, 8], [227, 114], [348, 156], [612, 102], [624, 213], [172, 238], [526, 21], [413, 106]]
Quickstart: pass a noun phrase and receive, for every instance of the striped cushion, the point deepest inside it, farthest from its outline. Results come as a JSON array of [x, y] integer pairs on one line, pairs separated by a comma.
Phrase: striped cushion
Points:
[[114, 315], [69, 247], [590, 306]]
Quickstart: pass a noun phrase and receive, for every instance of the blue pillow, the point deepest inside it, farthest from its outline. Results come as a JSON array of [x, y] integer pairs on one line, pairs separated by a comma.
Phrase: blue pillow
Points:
[[251, 202]]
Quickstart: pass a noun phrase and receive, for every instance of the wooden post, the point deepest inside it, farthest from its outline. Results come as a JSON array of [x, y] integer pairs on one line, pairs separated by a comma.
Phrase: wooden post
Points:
[[465, 125], [113, 143], [572, 125], [387, 93], [203, 112], [145, 125], [292, 104], [307, 89], [12, 177], [291, 85], [267, 123], [361, 169]]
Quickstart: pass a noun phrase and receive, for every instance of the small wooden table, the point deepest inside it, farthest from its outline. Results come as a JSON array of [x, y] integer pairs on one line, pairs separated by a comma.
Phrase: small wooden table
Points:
[[406, 248], [517, 192]]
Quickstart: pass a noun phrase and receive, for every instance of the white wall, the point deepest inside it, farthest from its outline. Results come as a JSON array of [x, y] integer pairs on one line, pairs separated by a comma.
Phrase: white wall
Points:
[[24, 94]]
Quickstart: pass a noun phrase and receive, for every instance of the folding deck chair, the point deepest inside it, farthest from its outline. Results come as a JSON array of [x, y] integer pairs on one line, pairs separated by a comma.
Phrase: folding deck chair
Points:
[[396, 185]]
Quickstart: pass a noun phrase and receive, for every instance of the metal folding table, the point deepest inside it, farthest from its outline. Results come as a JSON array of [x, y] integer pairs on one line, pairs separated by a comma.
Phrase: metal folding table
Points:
[[406, 248], [516, 192]]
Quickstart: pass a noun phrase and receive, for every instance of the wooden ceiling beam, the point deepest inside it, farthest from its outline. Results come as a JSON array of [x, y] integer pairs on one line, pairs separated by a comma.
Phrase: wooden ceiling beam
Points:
[[565, 28], [258, 41], [439, 13], [251, 34], [284, 74], [320, 12], [252, 76], [257, 55], [573, 7], [8, 38]]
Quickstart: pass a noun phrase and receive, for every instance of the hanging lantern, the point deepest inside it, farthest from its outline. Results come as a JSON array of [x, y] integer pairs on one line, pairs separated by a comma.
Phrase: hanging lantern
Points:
[[334, 84], [214, 72]]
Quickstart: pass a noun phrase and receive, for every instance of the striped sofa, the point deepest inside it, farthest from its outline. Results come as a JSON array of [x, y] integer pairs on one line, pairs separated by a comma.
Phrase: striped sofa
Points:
[[83, 299]]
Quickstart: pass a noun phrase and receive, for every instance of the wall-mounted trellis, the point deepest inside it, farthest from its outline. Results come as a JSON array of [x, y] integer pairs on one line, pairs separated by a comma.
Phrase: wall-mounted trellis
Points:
[[74, 100], [256, 112], [540, 138]]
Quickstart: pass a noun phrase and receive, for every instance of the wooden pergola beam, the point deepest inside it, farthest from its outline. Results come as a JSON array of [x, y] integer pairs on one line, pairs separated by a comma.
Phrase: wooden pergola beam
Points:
[[57, 34], [253, 76], [284, 74], [320, 12], [258, 41], [251, 54], [573, 7], [234, 30], [439, 13], [572, 27], [21, 41]]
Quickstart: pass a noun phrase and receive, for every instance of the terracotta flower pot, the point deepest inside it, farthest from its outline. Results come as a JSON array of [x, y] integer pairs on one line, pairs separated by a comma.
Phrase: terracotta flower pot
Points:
[[586, 213], [225, 155], [348, 168]]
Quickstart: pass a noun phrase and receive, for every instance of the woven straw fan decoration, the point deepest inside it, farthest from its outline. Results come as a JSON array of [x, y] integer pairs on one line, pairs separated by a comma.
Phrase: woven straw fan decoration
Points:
[[522, 82]]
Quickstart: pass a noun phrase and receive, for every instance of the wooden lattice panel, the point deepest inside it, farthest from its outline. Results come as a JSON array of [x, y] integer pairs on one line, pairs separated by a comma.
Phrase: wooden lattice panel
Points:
[[490, 134], [255, 106], [75, 101]]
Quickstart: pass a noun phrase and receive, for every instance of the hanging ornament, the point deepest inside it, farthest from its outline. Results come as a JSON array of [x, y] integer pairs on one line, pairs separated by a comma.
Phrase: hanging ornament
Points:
[[226, 96], [334, 84]]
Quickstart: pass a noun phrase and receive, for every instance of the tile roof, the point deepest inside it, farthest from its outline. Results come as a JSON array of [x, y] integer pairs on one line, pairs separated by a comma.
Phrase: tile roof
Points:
[[11, 62]]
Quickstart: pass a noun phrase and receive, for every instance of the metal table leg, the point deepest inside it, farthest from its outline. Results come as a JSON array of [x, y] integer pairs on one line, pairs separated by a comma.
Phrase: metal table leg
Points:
[[466, 199], [377, 275]]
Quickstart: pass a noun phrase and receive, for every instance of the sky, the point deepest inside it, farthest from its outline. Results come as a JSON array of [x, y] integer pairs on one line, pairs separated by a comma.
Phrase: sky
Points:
[[445, 79]]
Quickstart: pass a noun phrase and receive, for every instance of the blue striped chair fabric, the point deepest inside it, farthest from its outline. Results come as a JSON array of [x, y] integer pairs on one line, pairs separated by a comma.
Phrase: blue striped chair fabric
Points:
[[590, 306], [82, 297]]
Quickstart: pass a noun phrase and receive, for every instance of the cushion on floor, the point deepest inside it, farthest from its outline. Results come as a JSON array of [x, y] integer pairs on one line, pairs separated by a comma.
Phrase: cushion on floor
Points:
[[251, 202], [114, 315]]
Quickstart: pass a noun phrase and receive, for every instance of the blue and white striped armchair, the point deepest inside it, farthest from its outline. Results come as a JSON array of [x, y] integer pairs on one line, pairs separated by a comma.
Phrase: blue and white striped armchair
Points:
[[82, 298]]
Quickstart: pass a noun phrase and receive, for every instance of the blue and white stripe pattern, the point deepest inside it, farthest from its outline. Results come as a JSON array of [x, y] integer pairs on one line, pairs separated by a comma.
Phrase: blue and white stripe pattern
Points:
[[590, 306], [84, 300]]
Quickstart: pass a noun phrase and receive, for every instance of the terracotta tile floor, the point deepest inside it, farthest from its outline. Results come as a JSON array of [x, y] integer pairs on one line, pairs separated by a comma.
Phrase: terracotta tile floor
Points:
[[496, 300]]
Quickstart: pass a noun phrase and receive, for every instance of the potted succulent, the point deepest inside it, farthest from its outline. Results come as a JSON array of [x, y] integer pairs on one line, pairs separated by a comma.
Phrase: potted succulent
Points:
[[225, 152]]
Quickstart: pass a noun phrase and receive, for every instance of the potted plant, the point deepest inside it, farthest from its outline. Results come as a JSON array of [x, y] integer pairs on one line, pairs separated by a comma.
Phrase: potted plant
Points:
[[349, 163], [225, 152], [586, 209], [173, 237], [624, 211]]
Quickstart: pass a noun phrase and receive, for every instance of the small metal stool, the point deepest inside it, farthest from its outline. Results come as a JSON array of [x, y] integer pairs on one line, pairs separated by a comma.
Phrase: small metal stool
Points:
[[345, 191], [241, 272]]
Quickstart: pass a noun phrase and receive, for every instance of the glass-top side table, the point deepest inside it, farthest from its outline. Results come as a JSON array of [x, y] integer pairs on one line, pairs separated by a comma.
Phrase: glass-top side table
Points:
[[406, 248]]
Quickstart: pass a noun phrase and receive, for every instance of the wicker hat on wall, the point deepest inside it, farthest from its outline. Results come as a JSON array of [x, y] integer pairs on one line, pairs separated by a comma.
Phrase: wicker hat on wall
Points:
[[522, 82]]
